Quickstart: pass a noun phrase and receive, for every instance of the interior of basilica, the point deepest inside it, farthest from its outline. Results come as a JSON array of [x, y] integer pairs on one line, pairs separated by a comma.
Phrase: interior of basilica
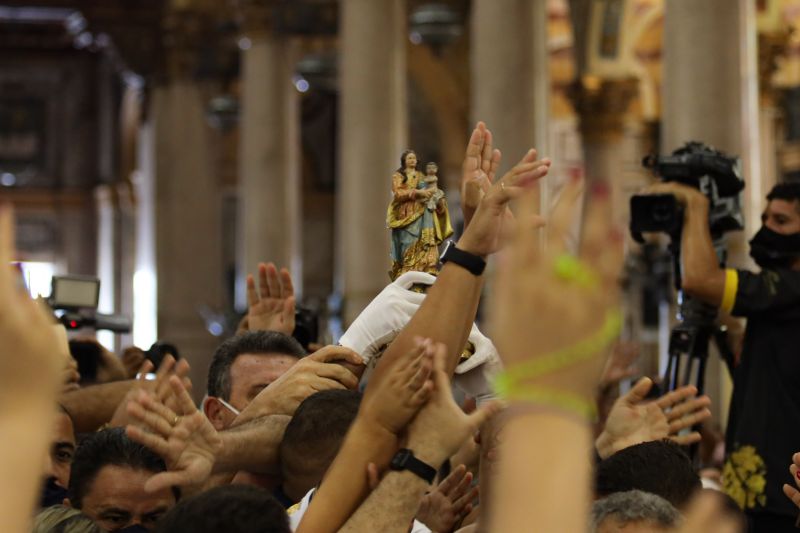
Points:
[[166, 147]]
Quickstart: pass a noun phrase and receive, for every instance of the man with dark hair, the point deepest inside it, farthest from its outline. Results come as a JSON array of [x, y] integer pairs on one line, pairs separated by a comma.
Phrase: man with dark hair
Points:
[[109, 473], [312, 439], [59, 460], [231, 508], [658, 467], [764, 421], [242, 367], [633, 511]]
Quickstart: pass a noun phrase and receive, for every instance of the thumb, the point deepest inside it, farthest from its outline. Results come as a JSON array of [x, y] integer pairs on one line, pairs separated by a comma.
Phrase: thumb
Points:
[[639, 391], [484, 413]]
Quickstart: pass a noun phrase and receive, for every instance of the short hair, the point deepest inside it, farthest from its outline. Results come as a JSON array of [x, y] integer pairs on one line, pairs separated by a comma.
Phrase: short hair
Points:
[[108, 447], [255, 342], [659, 467], [230, 508], [62, 519], [316, 431], [634, 506], [789, 191]]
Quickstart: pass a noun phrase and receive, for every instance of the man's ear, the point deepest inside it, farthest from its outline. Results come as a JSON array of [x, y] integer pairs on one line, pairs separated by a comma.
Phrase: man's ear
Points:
[[214, 412]]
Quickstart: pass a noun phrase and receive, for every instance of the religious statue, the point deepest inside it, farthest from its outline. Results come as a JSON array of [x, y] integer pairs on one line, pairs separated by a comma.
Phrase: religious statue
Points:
[[418, 218]]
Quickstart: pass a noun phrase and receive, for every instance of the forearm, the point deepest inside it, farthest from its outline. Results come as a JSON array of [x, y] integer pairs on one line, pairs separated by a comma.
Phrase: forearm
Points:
[[345, 484], [93, 406], [391, 507], [445, 316], [28, 435], [701, 273], [543, 475], [252, 446]]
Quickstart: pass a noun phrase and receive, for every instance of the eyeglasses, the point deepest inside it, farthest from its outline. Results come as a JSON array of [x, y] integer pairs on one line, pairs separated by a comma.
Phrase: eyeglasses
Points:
[[229, 406]]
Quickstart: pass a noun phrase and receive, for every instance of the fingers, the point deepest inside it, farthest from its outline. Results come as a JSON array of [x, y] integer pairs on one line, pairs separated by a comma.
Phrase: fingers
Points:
[[336, 353], [145, 438], [689, 421], [638, 392], [792, 493], [689, 406], [563, 215], [273, 283], [685, 440], [494, 164], [287, 287], [448, 484], [484, 413], [337, 373], [167, 480], [252, 295], [288, 310], [677, 396], [146, 368], [185, 402], [464, 502], [486, 153]]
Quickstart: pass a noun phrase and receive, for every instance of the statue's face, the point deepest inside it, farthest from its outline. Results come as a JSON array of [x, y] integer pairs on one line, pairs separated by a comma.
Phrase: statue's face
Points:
[[431, 170], [411, 160]]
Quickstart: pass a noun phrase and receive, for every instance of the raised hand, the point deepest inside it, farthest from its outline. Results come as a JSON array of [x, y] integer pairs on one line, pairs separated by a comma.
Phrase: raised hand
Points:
[[402, 391], [621, 363], [185, 439], [634, 419], [160, 387], [272, 306], [445, 507], [316, 372], [441, 427], [490, 220], [547, 301]]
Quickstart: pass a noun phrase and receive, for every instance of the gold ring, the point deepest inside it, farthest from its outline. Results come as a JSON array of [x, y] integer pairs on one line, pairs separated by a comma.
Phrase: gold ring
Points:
[[176, 420], [503, 185]]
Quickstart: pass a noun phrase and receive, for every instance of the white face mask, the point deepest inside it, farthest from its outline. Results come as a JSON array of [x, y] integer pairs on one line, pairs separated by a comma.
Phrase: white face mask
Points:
[[231, 408]]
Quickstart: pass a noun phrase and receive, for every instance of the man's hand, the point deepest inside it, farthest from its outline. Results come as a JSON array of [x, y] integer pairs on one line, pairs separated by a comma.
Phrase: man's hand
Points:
[[686, 196], [441, 427], [478, 170], [443, 509], [159, 386], [272, 306], [316, 372], [621, 363], [491, 220], [403, 390], [634, 419], [186, 440]]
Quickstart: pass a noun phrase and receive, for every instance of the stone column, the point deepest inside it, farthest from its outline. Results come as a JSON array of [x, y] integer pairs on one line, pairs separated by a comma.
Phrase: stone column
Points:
[[269, 219], [602, 106], [712, 97], [187, 205], [374, 132], [510, 79]]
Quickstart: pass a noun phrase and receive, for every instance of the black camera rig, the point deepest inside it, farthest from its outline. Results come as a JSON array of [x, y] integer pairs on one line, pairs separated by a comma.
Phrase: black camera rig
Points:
[[718, 177]]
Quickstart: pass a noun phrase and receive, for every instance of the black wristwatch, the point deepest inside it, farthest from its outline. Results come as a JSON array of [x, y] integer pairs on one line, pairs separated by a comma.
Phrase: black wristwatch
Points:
[[404, 460], [475, 264]]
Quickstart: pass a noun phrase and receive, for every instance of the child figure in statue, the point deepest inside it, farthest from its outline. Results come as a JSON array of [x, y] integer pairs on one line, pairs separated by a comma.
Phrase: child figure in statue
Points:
[[417, 231], [432, 183]]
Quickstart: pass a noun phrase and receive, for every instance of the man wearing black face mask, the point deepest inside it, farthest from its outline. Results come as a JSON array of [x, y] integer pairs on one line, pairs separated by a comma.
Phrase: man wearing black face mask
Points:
[[764, 420]]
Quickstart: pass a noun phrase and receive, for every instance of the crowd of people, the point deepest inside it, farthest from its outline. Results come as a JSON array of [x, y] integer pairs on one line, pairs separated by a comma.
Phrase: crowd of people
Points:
[[418, 421]]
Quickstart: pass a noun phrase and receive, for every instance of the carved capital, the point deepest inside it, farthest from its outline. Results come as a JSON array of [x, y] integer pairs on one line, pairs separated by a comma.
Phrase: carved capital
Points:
[[771, 45], [602, 105]]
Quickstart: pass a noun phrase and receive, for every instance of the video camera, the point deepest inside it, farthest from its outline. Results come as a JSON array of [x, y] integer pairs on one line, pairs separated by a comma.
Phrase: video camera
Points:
[[74, 301], [715, 174]]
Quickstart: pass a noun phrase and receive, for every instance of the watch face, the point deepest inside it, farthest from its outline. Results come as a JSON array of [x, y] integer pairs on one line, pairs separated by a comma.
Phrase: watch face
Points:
[[400, 459]]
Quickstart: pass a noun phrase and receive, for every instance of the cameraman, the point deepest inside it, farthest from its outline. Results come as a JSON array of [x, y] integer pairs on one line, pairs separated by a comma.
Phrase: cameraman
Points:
[[764, 420]]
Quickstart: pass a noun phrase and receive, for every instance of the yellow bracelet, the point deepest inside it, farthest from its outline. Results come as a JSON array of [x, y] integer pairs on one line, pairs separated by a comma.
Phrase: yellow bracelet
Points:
[[506, 381], [554, 398], [570, 268]]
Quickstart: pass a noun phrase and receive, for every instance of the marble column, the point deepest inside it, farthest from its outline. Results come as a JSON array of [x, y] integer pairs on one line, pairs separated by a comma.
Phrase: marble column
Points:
[[188, 200], [510, 82], [710, 95], [373, 133], [269, 214]]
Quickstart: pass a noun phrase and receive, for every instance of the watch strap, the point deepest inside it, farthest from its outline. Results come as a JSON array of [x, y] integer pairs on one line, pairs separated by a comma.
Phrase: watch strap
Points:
[[404, 460], [475, 264]]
